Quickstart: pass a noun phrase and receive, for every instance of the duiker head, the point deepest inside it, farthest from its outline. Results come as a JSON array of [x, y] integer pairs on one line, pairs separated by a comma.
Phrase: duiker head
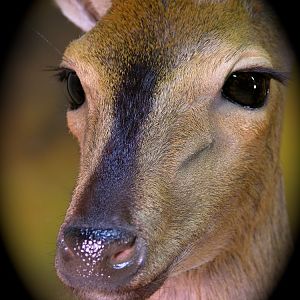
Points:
[[177, 108]]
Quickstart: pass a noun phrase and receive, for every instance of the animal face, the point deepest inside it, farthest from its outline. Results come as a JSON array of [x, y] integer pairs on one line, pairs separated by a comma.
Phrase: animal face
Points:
[[177, 109]]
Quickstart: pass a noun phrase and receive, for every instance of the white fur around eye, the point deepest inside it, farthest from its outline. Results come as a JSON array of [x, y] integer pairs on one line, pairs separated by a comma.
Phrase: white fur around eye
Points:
[[76, 120], [84, 13]]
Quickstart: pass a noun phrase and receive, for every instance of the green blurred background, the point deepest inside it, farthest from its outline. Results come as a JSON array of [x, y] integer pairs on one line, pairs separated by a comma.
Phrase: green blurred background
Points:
[[40, 158]]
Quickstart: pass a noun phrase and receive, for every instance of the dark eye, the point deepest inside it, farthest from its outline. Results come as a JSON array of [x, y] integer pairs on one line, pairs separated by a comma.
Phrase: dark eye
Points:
[[75, 90], [249, 89]]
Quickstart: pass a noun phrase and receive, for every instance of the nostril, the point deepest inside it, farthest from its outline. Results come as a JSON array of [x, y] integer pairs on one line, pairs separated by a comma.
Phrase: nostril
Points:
[[68, 254], [123, 258]]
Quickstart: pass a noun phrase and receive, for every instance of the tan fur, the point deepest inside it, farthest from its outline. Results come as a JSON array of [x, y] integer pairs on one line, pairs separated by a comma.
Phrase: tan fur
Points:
[[215, 222]]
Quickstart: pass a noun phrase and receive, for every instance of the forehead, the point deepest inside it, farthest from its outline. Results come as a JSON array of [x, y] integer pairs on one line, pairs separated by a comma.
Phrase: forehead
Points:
[[165, 33]]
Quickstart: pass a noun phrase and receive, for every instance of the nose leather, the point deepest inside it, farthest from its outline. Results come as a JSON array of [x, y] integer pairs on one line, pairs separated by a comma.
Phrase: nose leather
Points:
[[106, 257]]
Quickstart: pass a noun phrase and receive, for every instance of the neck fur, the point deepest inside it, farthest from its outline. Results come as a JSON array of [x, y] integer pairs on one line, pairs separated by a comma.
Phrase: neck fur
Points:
[[248, 270]]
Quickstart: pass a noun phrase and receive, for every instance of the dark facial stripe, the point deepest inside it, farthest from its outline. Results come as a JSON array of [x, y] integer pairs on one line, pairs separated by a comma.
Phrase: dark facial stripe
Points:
[[165, 3], [134, 101], [111, 187], [132, 106]]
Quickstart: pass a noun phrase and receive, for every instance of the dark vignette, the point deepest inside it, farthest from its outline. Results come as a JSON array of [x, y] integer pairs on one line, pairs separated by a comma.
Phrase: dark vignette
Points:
[[14, 13]]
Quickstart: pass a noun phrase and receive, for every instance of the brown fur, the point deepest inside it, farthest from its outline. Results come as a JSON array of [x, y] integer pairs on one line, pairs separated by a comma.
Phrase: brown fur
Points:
[[208, 182]]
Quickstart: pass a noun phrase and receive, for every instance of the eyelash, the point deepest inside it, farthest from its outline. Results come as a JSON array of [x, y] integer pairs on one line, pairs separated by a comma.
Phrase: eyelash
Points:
[[282, 77], [62, 73]]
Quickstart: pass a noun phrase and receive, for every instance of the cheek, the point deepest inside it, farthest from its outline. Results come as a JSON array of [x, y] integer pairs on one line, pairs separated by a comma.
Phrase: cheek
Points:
[[239, 140], [237, 128], [76, 120]]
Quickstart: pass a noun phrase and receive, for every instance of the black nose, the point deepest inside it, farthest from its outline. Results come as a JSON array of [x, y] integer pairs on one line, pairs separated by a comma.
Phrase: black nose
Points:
[[102, 257]]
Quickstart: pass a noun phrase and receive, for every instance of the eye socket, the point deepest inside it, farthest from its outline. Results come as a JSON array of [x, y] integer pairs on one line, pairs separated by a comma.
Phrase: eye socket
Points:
[[75, 90], [249, 89]]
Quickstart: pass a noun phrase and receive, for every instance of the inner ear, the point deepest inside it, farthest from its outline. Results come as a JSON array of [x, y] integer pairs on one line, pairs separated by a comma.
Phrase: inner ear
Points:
[[84, 13]]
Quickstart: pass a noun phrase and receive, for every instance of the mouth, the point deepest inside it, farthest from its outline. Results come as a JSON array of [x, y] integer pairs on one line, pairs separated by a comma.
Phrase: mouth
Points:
[[142, 292]]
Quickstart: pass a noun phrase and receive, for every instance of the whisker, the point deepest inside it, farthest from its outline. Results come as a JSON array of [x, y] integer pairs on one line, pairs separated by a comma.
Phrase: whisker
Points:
[[39, 34]]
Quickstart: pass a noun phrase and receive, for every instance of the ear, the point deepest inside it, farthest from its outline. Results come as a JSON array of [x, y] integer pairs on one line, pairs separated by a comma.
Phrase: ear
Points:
[[84, 13]]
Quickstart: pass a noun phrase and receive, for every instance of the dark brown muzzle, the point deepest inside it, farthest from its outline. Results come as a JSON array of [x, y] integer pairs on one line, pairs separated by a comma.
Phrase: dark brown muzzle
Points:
[[99, 258]]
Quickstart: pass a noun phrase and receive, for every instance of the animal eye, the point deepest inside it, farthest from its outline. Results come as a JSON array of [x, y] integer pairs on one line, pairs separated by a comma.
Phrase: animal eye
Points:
[[249, 89], [75, 90]]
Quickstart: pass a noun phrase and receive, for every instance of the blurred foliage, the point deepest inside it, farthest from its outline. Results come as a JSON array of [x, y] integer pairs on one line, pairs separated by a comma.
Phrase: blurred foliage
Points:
[[41, 158], [290, 151]]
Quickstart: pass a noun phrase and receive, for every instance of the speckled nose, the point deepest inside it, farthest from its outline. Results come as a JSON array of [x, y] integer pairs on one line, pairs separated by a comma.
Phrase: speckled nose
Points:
[[107, 257]]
